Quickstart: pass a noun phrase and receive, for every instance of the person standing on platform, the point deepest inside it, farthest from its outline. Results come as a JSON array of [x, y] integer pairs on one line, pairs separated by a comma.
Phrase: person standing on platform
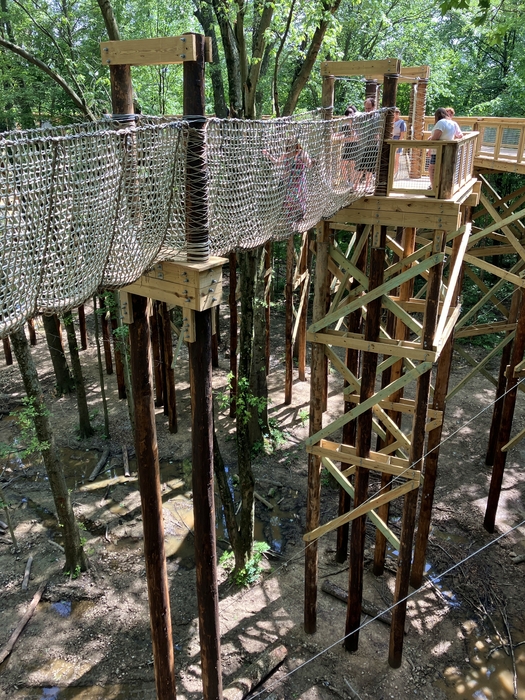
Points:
[[444, 129], [399, 133], [451, 114]]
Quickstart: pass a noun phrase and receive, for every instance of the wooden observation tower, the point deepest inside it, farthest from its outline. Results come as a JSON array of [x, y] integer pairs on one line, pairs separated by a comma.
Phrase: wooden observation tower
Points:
[[388, 330]]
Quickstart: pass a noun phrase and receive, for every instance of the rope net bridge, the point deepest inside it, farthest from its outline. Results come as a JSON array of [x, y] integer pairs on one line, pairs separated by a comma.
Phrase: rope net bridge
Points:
[[95, 205]]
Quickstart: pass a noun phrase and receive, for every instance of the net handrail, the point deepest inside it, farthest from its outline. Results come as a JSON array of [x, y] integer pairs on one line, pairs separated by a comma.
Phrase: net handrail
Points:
[[90, 206]]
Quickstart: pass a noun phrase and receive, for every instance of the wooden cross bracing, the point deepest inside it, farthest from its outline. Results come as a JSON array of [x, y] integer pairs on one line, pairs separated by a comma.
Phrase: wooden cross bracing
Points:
[[414, 329]]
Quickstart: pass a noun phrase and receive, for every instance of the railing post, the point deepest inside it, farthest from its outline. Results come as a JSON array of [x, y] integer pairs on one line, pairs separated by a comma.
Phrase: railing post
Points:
[[448, 166], [197, 236]]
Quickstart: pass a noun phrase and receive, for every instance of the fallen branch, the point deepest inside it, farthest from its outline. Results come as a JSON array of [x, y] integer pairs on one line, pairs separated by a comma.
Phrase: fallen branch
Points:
[[55, 544], [23, 622], [125, 460], [263, 500], [100, 465], [255, 674], [25, 582]]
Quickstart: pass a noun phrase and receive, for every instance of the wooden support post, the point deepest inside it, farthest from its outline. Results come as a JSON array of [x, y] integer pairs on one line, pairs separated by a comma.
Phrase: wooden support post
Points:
[[32, 332], [328, 93], [105, 338], [60, 341], [368, 380], [147, 456], [151, 498], [317, 391], [418, 127], [304, 267], [446, 173], [267, 299], [288, 346], [509, 402], [119, 364], [354, 323], [156, 355], [363, 442], [82, 327], [215, 337], [389, 100], [416, 453], [401, 333], [372, 90], [232, 300], [500, 389], [201, 390], [170, 402], [434, 441], [7, 351]]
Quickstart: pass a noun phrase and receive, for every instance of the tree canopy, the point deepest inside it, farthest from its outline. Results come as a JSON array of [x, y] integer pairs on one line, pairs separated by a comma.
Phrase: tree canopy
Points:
[[267, 54]]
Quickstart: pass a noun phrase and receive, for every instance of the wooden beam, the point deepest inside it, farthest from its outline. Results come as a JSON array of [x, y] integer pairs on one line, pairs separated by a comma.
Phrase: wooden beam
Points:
[[363, 509], [397, 348], [364, 68], [149, 52], [495, 270], [419, 212], [373, 294], [369, 403], [377, 521], [453, 278]]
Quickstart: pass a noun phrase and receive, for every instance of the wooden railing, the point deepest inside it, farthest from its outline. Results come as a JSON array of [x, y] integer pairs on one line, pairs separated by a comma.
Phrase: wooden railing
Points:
[[452, 166], [500, 139]]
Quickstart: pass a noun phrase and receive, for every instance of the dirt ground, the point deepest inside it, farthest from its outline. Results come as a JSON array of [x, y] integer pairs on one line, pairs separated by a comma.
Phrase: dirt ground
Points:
[[89, 638]]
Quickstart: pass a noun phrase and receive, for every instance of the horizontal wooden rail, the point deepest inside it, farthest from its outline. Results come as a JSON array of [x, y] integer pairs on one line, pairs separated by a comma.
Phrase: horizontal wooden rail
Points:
[[501, 140], [410, 161]]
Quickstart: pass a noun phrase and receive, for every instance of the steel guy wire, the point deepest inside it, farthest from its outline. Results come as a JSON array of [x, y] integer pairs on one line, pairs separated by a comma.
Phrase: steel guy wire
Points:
[[389, 609]]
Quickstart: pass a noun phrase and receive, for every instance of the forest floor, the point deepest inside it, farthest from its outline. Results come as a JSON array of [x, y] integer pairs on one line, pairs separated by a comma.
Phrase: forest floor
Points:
[[89, 638]]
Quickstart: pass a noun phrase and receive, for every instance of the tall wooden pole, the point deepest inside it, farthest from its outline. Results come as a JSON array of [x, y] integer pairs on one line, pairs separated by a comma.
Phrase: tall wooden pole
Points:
[[368, 381], [82, 327], [201, 391], [434, 440], [288, 348], [500, 388], [397, 629], [400, 333], [7, 351], [267, 299], [232, 303], [147, 456], [32, 332], [304, 267], [151, 499], [509, 403], [353, 324], [418, 126], [318, 383]]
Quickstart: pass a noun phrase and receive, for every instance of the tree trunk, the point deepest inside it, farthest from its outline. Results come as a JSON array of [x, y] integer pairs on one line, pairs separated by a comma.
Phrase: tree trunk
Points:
[[223, 480], [85, 428], [100, 372], [258, 377], [65, 382], [75, 558], [203, 12]]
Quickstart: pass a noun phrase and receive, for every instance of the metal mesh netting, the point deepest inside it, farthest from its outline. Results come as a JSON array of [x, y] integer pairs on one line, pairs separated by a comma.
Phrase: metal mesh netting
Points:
[[94, 205], [269, 179]]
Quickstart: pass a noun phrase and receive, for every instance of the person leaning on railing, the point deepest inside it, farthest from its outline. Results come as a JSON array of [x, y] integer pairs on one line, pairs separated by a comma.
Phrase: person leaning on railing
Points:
[[444, 129]]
